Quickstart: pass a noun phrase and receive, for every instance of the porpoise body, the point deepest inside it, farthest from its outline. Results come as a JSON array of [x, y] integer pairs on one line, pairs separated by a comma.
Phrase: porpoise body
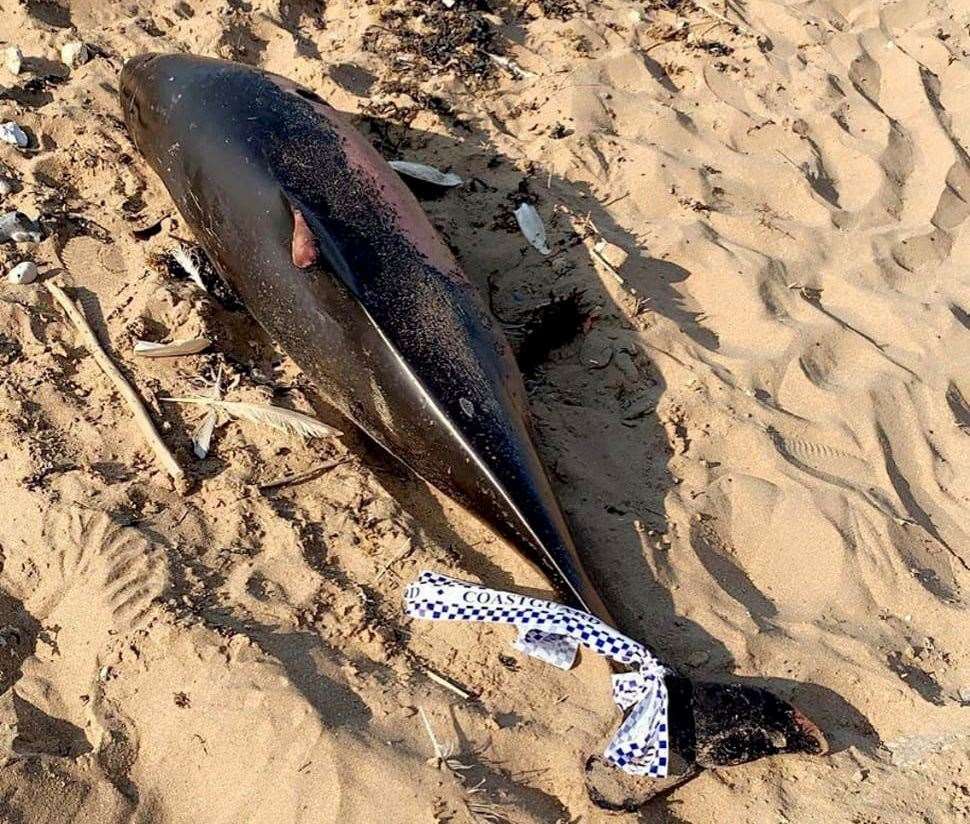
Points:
[[335, 258], [337, 261]]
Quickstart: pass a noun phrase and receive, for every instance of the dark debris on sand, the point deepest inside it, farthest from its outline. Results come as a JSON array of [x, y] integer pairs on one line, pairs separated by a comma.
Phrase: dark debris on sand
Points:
[[559, 9], [425, 38], [422, 40]]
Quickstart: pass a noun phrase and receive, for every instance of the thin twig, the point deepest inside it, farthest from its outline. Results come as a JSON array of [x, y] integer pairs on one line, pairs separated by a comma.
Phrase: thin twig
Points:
[[302, 477], [737, 24], [438, 752], [396, 559], [142, 418], [444, 682]]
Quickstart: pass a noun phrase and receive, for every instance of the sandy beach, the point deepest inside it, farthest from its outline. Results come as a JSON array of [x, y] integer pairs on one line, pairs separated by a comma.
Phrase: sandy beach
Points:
[[757, 423]]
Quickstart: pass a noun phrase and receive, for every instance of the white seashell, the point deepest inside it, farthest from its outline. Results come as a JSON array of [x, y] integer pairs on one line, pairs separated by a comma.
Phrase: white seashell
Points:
[[532, 227], [23, 273], [429, 174], [74, 53], [511, 66], [11, 133], [13, 59], [187, 346], [19, 228]]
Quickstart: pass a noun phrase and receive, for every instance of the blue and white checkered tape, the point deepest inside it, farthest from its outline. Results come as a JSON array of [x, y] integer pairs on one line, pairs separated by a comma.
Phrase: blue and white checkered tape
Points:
[[553, 633]]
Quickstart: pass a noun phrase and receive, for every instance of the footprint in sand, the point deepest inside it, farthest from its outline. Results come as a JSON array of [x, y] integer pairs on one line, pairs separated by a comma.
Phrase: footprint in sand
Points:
[[823, 461], [90, 586], [258, 721]]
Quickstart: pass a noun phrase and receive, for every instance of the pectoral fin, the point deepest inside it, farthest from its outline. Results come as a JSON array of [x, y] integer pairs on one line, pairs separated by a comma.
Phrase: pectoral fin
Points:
[[304, 245]]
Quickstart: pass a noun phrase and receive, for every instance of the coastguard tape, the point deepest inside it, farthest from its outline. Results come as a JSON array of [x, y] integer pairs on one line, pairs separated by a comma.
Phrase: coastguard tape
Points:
[[553, 633]]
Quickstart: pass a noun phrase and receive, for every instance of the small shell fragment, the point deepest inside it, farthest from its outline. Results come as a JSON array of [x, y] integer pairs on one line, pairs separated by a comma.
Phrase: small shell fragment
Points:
[[428, 174], [19, 228], [74, 53], [511, 66], [186, 346], [11, 133], [532, 227], [202, 438], [611, 256], [13, 59], [23, 273]]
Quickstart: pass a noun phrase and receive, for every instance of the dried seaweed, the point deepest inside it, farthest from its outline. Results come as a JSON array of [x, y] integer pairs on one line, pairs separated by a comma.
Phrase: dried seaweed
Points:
[[558, 9], [426, 38]]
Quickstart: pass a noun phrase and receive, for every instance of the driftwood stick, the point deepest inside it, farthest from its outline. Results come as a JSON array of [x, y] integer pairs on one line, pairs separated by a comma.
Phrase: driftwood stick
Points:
[[127, 392], [309, 475], [448, 685]]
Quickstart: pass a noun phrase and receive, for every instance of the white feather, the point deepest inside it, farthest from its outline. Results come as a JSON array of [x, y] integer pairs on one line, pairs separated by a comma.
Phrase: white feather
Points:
[[283, 420], [202, 438], [184, 259]]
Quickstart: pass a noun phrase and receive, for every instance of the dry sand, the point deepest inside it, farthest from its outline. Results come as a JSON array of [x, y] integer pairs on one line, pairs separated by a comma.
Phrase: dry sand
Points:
[[761, 436]]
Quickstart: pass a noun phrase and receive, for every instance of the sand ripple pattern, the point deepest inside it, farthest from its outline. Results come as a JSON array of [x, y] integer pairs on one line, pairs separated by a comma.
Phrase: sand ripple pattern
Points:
[[761, 432]]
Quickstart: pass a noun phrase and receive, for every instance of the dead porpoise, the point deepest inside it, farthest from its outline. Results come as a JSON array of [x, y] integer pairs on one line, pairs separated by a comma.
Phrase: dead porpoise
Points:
[[337, 261]]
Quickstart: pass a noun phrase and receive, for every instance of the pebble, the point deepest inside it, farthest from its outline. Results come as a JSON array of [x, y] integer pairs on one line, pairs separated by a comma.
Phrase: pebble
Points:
[[964, 694], [624, 363], [6, 186], [23, 273], [19, 228], [11, 133], [13, 59], [74, 53]]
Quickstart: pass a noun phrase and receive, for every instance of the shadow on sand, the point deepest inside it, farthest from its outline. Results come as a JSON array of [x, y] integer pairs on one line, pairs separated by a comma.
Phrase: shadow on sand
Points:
[[593, 401]]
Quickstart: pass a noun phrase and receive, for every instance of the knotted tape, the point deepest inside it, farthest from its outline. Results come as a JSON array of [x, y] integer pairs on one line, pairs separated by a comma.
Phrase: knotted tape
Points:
[[553, 633]]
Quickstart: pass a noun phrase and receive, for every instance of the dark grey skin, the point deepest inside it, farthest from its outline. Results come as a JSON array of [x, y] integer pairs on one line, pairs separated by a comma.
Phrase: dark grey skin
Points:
[[336, 260], [383, 320]]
